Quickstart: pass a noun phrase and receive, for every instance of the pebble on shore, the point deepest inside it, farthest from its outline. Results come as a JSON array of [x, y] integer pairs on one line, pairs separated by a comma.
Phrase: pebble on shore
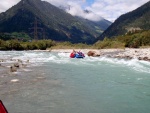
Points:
[[14, 80]]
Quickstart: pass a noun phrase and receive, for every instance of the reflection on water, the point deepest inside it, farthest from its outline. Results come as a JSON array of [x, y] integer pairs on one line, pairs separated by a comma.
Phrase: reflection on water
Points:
[[54, 83]]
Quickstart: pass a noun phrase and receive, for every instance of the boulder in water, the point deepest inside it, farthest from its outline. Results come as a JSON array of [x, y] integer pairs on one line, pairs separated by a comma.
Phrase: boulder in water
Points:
[[144, 58], [16, 65], [93, 54], [13, 69]]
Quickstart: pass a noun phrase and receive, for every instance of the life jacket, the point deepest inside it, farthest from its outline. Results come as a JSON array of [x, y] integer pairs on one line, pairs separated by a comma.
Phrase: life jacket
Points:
[[72, 55]]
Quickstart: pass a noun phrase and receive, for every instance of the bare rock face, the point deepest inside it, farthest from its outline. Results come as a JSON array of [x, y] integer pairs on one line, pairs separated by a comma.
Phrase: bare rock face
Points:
[[93, 54]]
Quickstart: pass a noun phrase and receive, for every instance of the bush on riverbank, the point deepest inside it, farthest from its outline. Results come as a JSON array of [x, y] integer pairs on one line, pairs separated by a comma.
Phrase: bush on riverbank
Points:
[[19, 45], [131, 40], [108, 43], [135, 40]]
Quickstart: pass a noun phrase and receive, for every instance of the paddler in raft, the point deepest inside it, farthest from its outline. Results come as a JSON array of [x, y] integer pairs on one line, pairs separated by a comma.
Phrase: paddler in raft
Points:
[[80, 53], [73, 54]]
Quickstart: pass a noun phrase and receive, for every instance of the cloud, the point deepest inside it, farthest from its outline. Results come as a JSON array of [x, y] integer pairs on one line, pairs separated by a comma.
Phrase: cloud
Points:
[[108, 9], [112, 9], [64, 2], [76, 10], [6, 4]]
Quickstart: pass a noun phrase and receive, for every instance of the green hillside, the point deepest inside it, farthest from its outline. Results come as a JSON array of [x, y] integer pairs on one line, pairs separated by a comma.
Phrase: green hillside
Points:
[[138, 19]]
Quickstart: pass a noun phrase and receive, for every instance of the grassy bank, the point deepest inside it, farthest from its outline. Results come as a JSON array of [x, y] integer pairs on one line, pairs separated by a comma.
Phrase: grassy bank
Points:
[[140, 39]]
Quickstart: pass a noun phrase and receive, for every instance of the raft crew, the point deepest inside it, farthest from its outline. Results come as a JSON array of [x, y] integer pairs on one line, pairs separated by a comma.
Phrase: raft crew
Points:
[[75, 54]]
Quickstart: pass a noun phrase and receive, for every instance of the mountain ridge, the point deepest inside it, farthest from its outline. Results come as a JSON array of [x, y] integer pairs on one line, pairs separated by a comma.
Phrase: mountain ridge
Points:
[[60, 26]]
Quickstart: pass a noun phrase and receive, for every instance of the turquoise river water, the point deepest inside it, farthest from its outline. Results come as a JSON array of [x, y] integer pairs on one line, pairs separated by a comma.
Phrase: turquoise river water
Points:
[[55, 83]]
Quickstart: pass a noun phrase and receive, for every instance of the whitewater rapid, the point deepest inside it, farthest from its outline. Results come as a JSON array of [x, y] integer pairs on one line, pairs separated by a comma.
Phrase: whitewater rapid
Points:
[[39, 58]]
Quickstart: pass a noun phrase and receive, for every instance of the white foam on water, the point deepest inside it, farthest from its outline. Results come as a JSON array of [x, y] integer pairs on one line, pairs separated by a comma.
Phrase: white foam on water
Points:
[[64, 55], [139, 79], [133, 64], [27, 70], [63, 58], [39, 58]]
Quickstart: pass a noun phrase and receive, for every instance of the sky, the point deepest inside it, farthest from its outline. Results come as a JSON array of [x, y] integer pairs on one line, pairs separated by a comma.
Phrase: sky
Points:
[[108, 9]]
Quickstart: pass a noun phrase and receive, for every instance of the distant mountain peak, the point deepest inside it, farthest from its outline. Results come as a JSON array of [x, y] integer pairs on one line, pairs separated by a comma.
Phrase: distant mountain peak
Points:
[[87, 11]]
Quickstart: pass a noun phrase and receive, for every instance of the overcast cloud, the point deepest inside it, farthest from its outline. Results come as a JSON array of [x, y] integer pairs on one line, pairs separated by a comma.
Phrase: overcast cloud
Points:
[[108, 9]]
